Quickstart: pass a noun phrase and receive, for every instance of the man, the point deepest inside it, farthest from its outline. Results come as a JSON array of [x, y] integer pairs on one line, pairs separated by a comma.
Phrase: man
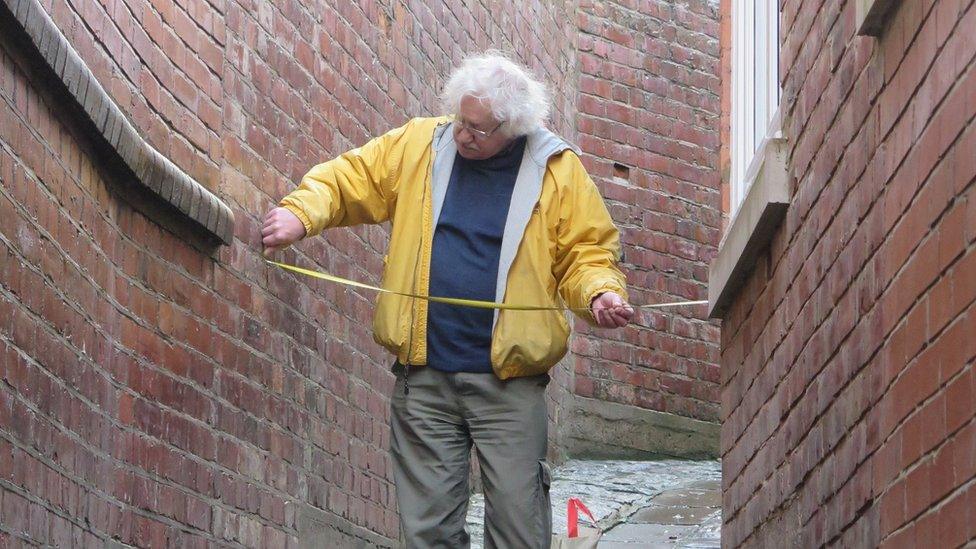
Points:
[[485, 204]]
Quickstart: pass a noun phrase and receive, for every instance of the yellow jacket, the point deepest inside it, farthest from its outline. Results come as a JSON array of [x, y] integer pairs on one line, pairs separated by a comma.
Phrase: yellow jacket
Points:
[[559, 239]]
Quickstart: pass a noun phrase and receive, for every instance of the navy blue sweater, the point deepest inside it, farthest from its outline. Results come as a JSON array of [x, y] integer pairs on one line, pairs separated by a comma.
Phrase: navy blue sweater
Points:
[[464, 259]]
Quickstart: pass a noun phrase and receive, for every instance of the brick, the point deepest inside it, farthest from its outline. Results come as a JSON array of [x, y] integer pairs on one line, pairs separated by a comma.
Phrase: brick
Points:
[[919, 304], [93, 103], [954, 526], [926, 529], [206, 210], [193, 200], [72, 72], [48, 44], [62, 56], [167, 181], [116, 129], [18, 8], [129, 146], [101, 112], [959, 391], [128, 264], [33, 21]]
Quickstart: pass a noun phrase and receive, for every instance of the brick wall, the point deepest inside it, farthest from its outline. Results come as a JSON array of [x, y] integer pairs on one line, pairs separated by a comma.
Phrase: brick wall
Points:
[[847, 358], [153, 393], [649, 107]]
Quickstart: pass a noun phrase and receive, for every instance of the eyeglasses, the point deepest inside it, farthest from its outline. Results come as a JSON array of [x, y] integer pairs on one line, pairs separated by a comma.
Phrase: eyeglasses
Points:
[[478, 134]]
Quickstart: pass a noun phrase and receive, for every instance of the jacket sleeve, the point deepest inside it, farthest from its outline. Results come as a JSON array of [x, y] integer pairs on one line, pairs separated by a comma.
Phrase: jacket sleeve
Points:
[[588, 244], [357, 187]]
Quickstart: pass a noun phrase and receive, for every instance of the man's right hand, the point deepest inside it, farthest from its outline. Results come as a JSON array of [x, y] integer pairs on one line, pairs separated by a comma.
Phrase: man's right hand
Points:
[[281, 229]]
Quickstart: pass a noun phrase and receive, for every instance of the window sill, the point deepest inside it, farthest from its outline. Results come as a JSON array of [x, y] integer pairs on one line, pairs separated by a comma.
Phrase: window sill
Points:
[[753, 226], [871, 15]]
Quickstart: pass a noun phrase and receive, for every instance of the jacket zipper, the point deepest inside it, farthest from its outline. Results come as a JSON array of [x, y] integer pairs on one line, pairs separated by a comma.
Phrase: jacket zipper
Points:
[[423, 197]]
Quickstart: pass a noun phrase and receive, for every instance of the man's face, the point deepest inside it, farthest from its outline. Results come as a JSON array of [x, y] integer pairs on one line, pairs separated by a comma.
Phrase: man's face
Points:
[[473, 121]]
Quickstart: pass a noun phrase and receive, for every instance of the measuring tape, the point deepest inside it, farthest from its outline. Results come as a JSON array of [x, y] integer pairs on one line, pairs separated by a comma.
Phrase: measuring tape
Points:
[[455, 300]]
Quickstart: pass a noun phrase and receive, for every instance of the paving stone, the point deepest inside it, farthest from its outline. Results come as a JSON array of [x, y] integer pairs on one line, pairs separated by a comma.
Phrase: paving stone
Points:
[[710, 485], [707, 535], [613, 491], [640, 545], [647, 533], [711, 543], [690, 498], [657, 514]]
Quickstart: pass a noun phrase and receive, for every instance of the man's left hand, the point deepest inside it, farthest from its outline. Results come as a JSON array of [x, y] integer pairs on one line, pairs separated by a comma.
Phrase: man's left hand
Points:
[[611, 311]]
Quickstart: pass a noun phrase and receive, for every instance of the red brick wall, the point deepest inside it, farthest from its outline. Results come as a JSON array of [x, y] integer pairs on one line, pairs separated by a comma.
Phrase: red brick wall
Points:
[[650, 103], [847, 359], [152, 393]]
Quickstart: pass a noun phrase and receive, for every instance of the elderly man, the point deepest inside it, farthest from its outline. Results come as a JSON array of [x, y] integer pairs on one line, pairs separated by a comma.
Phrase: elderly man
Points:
[[484, 204]]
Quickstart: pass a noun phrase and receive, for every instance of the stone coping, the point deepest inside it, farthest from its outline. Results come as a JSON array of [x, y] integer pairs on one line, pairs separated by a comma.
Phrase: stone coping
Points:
[[153, 171]]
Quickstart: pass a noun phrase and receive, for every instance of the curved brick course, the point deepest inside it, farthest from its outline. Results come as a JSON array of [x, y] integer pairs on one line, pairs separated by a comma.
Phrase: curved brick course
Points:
[[152, 169]]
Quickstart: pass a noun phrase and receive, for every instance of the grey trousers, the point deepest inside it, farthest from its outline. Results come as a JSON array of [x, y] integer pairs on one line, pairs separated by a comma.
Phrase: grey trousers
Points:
[[434, 425]]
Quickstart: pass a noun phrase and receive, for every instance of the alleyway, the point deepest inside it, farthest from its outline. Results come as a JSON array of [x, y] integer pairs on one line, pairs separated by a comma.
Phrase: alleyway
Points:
[[639, 504]]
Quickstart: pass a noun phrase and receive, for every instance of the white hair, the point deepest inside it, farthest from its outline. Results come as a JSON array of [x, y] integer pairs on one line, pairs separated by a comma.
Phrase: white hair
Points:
[[510, 91]]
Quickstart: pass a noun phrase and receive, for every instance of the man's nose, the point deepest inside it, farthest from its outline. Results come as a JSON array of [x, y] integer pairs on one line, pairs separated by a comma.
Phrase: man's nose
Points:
[[464, 137]]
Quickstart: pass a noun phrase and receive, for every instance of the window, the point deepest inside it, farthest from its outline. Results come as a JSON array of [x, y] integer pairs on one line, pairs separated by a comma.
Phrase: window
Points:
[[759, 176], [755, 90]]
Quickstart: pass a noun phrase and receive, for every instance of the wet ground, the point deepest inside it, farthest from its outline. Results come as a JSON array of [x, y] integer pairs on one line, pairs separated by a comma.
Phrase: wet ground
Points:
[[638, 504]]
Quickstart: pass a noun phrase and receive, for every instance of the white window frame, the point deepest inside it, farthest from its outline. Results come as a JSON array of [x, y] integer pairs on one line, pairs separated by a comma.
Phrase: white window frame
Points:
[[755, 91], [759, 176]]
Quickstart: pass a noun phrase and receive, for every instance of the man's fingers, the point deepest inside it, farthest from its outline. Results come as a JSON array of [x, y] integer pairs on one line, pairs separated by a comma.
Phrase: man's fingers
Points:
[[621, 318], [613, 317], [606, 317], [625, 312], [268, 250], [611, 311], [600, 315], [603, 310], [280, 229], [276, 241]]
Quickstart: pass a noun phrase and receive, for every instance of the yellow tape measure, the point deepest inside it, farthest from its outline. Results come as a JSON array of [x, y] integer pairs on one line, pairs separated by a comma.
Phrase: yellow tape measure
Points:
[[454, 300]]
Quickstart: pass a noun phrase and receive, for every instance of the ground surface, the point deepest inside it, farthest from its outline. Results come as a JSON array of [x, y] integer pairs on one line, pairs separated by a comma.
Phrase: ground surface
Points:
[[639, 504]]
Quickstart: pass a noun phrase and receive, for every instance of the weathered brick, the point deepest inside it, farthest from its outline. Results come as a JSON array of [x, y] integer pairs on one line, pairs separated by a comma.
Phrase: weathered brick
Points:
[[892, 242], [613, 123], [185, 359]]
